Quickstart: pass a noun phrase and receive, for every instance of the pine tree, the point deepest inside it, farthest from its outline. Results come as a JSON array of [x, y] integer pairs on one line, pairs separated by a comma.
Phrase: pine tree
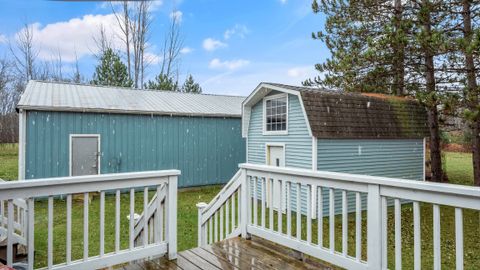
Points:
[[163, 82], [111, 71], [367, 41], [190, 86]]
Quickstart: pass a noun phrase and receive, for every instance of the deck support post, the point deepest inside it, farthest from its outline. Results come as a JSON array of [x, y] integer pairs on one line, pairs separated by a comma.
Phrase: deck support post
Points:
[[202, 232], [244, 209], [171, 208], [374, 227]]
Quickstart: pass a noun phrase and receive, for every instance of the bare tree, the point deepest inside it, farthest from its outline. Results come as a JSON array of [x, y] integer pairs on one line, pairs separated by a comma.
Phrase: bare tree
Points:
[[123, 21], [24, 52], [172, 46], [134, 21], [102, 41]]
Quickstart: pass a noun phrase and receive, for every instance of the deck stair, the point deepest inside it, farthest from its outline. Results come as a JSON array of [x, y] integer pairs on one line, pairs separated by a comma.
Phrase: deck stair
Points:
[[233, 253]]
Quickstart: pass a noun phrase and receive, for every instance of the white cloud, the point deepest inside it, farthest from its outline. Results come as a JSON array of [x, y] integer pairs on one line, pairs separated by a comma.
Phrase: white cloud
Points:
[[186, 50], [239, 30], [302, 72], [211, 44], [74, 36], [177, 15], [229, 65], [283, 2], [3, 39]]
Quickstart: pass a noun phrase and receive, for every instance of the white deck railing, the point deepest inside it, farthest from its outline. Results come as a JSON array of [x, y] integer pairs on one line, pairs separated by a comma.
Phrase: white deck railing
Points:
[[61, 191], [331, 194]]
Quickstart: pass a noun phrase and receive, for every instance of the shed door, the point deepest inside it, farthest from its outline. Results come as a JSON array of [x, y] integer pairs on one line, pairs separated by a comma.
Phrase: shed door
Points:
[[84, 155], [275, 157]]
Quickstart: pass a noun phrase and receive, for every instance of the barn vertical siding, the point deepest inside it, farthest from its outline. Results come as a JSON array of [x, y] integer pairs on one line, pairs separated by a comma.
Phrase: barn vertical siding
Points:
[[298, 142], [206, 150]]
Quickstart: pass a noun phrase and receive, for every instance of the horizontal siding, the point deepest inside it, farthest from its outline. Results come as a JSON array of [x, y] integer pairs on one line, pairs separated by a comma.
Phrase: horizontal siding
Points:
[[386, 158], [298, 143], [206, 150]]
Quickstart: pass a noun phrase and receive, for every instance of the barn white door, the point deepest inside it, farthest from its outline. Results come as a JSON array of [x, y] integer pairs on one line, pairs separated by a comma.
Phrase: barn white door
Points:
[[275, 157], [84, 155]]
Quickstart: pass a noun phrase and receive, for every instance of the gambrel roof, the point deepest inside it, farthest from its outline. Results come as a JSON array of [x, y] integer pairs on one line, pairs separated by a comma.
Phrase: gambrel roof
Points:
[[58, 96], [336, 114]]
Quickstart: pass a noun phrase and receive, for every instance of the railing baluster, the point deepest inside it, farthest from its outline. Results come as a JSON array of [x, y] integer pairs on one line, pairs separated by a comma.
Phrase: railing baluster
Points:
[[117, 220], [102, 223], [221, 222], [233, 210], [417, 246], [158, 228], [215, 227], [161, 215], [437, 259], [299, 212], [384, 228], [145, 216], [227, 217], [210, 230], [289, 209], [132, 218], [319, 216], [10, 230], [271, 182], [358, 226], [31, 233], [332, 219], [255, 201], [309, 214], [50, 233], [69, 229], [398, 234], [2, 214], [344, 223], [85, 225], [459, 238], [280, 205], [263, 181]]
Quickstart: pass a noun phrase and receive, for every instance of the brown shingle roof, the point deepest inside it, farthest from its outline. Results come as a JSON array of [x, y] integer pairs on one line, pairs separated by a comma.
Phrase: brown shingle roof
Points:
[[334, 114]]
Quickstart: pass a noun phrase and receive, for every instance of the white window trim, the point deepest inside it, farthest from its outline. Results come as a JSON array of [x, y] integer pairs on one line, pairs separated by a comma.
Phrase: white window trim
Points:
[[264, 122], [99, 160], [268, 144]]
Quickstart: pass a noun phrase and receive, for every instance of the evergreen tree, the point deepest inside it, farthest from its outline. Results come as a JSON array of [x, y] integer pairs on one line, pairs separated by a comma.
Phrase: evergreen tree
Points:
[[111, 71], [163, 82], [190, 86]]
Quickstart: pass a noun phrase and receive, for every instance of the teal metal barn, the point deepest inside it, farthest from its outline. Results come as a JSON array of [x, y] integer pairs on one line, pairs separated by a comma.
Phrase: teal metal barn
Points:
[[70, 129]]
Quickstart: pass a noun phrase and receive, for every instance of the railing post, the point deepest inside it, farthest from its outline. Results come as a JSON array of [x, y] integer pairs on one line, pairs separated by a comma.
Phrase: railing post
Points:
[[374, 227], [244, 204], [201, 228], [172, 217]]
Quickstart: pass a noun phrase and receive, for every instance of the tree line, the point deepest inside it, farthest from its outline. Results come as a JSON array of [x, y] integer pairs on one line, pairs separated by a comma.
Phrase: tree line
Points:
[[426, 49], [124, 66]]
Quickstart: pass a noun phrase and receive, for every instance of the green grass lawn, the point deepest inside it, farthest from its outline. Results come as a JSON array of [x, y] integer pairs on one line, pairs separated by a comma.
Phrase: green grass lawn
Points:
[[8, 161], [458, 166]]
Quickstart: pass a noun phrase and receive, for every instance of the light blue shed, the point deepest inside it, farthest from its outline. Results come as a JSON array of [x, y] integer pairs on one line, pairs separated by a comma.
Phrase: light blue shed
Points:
[[71, 129], [318, 129]]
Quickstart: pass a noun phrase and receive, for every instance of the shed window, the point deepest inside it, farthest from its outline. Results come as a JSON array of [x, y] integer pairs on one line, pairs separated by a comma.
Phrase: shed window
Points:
[[276, 114]]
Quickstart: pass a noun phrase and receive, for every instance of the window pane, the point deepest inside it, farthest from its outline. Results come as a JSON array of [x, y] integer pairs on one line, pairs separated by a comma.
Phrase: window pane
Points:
[[276, 114]]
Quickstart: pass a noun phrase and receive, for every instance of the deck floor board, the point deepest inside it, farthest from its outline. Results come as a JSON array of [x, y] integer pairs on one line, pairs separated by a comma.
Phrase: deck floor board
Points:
[[230, 254]]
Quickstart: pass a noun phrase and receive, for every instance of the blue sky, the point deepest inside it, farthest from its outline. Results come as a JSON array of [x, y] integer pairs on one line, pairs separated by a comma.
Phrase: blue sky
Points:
[[229, 46]]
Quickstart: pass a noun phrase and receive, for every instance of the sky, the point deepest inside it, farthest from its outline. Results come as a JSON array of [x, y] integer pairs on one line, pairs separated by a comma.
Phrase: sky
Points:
[[229, 46]]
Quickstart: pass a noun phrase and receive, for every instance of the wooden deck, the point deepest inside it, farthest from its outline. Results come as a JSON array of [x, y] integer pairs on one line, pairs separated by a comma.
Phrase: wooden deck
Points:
[[235, 253]]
